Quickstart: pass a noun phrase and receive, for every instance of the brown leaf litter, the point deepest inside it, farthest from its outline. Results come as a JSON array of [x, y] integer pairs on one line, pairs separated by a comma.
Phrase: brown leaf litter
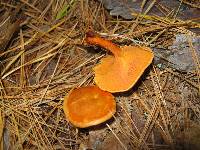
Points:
[[42, 58]]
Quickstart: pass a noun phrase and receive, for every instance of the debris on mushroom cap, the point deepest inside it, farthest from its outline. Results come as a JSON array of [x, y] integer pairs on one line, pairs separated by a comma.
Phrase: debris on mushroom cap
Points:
[[120, 71], [88, 106]]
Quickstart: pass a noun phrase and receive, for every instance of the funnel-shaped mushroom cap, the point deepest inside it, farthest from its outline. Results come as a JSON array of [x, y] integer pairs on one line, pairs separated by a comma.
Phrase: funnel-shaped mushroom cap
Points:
[[88, 106], [117, 74], [120, 71]]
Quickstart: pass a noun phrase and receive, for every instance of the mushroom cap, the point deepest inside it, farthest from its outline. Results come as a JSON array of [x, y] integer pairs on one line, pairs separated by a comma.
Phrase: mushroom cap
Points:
[[118, 74], [89, 106]]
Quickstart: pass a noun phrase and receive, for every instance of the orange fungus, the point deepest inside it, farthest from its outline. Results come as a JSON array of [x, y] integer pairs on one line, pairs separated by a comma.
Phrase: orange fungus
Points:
[[120, 71], [88, 106]]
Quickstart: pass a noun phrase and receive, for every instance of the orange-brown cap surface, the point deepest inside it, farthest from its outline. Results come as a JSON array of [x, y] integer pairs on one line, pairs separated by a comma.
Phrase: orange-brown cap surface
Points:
[[88, 106], [118, 74], [120, 71]]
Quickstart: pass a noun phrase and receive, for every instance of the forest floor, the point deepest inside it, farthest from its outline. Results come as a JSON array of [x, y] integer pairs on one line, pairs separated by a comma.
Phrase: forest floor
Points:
[[43, 55]]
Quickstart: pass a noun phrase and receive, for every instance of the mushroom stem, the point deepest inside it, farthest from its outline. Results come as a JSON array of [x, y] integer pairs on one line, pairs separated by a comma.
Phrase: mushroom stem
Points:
[[94, 39]]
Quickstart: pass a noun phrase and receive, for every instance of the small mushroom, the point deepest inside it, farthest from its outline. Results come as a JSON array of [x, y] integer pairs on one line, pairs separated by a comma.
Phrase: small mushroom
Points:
[[120, 71], [88, 106]]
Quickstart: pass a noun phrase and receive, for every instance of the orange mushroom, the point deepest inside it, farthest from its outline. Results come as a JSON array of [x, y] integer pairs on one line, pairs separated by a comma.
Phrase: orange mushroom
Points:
[[89, 106], [120, 71]]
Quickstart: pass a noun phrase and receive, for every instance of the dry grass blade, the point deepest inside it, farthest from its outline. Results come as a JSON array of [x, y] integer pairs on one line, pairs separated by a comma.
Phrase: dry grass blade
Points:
[[11, 62], [50, 79], [20, 46], [196, 60], [150, 7], [164, 113], [48, 58], [28, 63], [1, 130], [124, 147], [16, 130], [140, 16], [149, 124], [22, 76], [184, 79], [191, 4], [157, 36], [30, 5]]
